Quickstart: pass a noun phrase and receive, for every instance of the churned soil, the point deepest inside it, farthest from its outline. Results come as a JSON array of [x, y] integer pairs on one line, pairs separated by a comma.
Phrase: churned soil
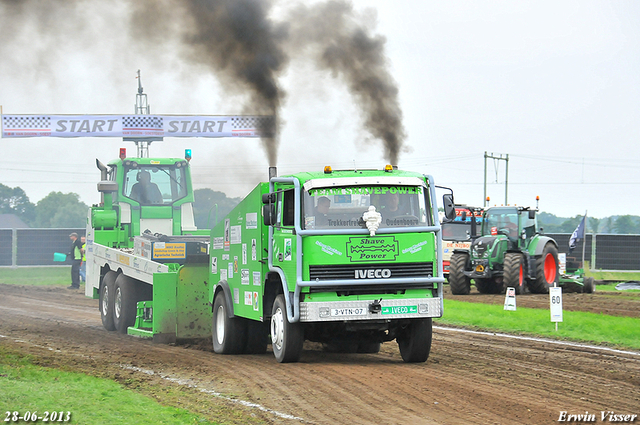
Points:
[[470, 378]]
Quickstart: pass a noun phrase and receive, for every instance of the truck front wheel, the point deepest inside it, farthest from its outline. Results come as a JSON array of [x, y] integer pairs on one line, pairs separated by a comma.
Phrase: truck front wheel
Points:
[[415, 341], [286, 337], [229, 333], [458, 282], [106, 300], [124, 303]]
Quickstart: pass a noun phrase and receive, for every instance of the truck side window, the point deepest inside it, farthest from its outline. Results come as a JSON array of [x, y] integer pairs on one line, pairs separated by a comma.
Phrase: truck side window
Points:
[[288, 208]]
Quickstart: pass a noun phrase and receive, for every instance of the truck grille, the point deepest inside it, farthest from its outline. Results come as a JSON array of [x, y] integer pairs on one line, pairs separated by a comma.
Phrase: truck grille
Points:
[[352, 271]]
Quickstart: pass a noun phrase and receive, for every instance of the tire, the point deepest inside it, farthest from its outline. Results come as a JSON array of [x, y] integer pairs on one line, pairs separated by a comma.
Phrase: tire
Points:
[[229, 333], [125, 300], [514, 276], [547, 270], [458, 282], [589, 285], [415, 341], [106, 300], [286, 338], [257, 337]]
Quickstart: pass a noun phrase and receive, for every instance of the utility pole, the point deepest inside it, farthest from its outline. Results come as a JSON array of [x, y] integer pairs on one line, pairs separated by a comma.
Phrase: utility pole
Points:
[[504, 158]]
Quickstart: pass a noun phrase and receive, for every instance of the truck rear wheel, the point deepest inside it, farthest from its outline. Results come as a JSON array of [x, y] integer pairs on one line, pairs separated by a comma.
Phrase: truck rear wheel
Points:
[[229, 333], [458, 282], [547, 270], [125, 302], [286, 338], [589, 285], [415, 341], [514, 272], [106, 300]]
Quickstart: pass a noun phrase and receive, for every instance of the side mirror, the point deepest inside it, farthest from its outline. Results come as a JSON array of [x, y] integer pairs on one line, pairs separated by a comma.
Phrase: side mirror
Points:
[[449, 206], [269, 214], [532, 214], [268, 198]]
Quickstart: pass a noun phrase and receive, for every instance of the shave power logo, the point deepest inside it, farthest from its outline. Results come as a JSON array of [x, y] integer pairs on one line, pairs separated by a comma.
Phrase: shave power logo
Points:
[[378, 248]]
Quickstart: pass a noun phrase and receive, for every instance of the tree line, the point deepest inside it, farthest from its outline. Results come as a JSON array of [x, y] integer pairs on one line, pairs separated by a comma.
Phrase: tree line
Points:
[[65, 210]]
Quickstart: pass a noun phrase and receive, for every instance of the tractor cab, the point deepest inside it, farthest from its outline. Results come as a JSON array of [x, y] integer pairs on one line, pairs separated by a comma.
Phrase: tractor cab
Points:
[[518, 224]]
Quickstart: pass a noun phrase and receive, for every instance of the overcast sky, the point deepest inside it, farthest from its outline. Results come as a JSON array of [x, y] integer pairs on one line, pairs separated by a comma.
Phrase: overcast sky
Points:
[[555, 85]]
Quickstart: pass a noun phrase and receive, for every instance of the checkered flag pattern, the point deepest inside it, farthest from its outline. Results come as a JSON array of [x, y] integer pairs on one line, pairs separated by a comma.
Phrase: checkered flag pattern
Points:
[[142, 122], [265, 124], [26, 122]]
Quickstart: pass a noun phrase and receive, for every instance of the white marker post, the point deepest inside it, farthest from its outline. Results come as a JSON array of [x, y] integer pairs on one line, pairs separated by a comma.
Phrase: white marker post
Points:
[[510, 299], [555, 302]]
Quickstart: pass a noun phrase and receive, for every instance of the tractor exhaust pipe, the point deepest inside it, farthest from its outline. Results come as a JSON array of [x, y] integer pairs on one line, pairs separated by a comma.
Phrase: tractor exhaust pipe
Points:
[[273, 172]]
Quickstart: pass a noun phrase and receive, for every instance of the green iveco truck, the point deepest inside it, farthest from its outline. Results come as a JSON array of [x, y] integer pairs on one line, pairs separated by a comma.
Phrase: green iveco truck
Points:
[[347, 258]]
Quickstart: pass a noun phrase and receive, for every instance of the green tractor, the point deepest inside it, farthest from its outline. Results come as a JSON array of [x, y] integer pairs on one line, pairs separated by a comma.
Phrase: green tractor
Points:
[[509, 252]]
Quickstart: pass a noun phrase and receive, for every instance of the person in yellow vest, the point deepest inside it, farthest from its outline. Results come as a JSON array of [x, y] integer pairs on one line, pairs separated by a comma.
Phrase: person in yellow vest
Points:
[[75, 254], [83, 266]]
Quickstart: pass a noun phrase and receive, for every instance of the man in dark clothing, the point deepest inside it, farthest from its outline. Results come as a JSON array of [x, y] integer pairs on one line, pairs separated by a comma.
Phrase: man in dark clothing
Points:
[[75, 253]]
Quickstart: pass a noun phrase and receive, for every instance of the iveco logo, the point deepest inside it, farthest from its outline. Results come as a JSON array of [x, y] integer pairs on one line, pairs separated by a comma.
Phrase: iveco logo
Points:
[[373, 274]]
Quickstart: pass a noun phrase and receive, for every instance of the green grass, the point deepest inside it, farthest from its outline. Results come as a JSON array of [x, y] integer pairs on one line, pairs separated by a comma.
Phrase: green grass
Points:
[[25, 387], [576, 325], [41, 276]]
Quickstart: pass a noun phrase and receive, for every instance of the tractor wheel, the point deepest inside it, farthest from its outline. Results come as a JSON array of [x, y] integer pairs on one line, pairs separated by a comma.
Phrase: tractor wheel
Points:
[[514, 272], [286, 337], [106, 300], [547, 270], [415, 341], [125, 303], [488, 286], [458, 282], [589, 285], [229, 333]]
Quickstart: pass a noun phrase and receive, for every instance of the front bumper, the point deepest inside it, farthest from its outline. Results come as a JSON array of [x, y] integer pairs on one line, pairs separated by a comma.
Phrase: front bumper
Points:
[[332, 311]]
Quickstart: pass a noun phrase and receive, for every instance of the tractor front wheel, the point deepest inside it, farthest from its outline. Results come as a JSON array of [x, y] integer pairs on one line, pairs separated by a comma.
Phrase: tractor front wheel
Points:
[[458, 282], [514, 272], [547, 270]]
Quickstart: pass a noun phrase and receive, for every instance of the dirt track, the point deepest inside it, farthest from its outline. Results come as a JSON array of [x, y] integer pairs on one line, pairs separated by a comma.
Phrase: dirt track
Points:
[[468, 379]]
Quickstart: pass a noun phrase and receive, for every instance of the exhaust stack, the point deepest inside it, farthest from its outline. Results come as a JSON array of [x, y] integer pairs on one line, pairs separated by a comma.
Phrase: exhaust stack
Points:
[[273, 172]]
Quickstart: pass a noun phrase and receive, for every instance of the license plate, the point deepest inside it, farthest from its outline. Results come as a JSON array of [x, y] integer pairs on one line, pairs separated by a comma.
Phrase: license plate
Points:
[[400, 309], [361, 311]]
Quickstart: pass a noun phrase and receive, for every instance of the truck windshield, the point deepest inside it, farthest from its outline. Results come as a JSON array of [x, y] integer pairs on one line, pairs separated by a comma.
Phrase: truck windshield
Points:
[[155, 184], [343, 207]]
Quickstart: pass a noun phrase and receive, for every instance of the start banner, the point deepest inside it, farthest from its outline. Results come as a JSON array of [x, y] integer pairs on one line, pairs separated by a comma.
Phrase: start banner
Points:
[[136, 126]]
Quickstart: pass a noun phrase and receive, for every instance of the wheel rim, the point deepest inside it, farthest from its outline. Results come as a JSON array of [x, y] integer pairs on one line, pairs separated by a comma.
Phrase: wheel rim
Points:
[[550, 268], [117, 303], [105, 300], [220, 324], [277, 329]]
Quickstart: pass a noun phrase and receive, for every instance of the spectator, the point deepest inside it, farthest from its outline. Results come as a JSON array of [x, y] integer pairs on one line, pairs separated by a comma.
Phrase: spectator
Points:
[[83, 266], [75, 254]]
